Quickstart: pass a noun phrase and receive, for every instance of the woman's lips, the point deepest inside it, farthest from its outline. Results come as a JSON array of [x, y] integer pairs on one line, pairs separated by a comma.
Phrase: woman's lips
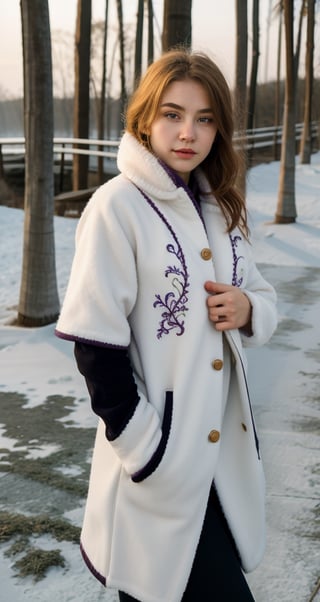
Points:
[[184, 153]]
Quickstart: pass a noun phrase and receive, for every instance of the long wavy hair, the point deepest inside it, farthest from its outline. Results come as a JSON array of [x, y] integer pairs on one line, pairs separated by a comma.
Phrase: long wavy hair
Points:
[[223, 162]]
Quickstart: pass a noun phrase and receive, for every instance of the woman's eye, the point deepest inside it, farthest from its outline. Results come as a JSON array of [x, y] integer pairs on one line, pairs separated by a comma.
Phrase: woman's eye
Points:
[[171, 115], [206, 120]]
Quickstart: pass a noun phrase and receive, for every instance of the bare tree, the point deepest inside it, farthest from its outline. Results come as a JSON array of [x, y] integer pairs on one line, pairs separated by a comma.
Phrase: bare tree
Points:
[[102, 102], [254, 65], [286, 205], [142, 4], [240, 100], [139, 41], [39, 301], [177, 24], [306, 140], [150, 32], [240, 92], [277, 87], [81, 93], [122, 57]]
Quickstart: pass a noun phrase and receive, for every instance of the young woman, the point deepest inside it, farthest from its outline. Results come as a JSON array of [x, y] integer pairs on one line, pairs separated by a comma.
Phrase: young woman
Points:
[[162, 296]]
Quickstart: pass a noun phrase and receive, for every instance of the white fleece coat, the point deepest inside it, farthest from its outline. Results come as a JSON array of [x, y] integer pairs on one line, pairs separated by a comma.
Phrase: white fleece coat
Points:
[[137, 282]]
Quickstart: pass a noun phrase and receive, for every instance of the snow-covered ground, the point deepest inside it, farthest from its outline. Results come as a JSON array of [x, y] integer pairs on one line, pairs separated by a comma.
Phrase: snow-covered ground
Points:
[[284, 378]]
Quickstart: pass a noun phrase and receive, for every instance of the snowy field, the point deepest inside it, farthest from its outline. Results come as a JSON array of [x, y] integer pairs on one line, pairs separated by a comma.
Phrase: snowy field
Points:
[[284, 378]]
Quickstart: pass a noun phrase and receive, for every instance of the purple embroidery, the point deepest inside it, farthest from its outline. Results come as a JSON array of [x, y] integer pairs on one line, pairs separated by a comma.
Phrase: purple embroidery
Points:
[[174, 302], [236, 280]]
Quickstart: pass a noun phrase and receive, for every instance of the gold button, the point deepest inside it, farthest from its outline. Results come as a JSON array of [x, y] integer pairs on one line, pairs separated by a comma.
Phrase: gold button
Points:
[[244, 426], [206, 254], [214, 436], [217, 364]]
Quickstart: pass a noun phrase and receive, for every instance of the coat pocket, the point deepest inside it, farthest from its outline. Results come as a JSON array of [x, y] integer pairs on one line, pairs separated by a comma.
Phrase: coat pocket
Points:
[[156, 458]]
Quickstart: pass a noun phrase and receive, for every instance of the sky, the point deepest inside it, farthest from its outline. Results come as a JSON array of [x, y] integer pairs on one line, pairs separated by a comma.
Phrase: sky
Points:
[[283, 379], [213, 32]]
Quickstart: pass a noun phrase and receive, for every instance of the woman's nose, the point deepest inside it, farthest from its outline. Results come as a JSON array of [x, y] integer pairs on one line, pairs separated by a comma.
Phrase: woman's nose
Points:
[[187, 132]]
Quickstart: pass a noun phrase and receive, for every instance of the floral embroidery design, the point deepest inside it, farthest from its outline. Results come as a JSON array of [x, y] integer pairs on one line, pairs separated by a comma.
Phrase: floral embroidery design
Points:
[[174, 302], [236, 280]]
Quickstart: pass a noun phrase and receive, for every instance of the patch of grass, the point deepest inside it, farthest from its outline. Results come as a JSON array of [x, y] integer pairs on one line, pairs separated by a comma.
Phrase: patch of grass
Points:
[[21, 528], [43, 471], [12, 525], [45, 424], [36, 562], [18, 546]]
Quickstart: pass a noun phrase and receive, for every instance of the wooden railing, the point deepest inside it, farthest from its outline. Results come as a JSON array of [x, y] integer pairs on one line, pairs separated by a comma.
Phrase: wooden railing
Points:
[[261, 144], [259, 138]]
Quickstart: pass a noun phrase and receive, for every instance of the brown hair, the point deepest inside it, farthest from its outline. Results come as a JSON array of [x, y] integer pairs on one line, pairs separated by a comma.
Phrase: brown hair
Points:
[[222, 165]]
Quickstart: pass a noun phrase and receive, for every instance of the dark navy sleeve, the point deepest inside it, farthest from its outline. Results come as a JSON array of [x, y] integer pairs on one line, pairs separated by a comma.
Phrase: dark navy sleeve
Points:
[[111, 385]]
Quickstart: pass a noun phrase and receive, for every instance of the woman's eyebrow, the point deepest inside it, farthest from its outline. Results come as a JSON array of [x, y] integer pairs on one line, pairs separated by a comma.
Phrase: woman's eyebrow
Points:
[[173, 105]]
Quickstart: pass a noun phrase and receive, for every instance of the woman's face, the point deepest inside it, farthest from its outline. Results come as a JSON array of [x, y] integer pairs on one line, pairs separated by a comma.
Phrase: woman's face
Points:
[[184, 129]]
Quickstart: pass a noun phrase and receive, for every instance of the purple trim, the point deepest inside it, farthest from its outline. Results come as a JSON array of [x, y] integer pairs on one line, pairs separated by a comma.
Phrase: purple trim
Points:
[[76, 339], [236, 280], [91, 568], [179, 182], [154, 462], [174, 307]]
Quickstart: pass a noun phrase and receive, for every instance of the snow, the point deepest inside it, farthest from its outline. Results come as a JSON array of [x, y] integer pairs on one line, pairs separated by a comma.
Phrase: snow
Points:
[[284, 381]]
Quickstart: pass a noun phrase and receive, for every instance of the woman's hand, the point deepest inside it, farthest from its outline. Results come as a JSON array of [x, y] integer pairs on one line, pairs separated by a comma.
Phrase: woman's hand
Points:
[[228, 307]]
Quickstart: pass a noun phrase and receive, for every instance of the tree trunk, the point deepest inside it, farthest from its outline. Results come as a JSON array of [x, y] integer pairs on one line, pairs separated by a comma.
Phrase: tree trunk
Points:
[[81, 94], [150, 33], [177, 24], [240, 101], [103, 93], [286, 206], [39, 301], [254, 65], [254, 71], [277, 90], [306, 140], [240, 93], [139, 41], [122, 57]]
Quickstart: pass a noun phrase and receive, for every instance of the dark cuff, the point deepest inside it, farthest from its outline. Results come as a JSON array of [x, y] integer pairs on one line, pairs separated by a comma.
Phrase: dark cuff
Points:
[[111, 385]]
